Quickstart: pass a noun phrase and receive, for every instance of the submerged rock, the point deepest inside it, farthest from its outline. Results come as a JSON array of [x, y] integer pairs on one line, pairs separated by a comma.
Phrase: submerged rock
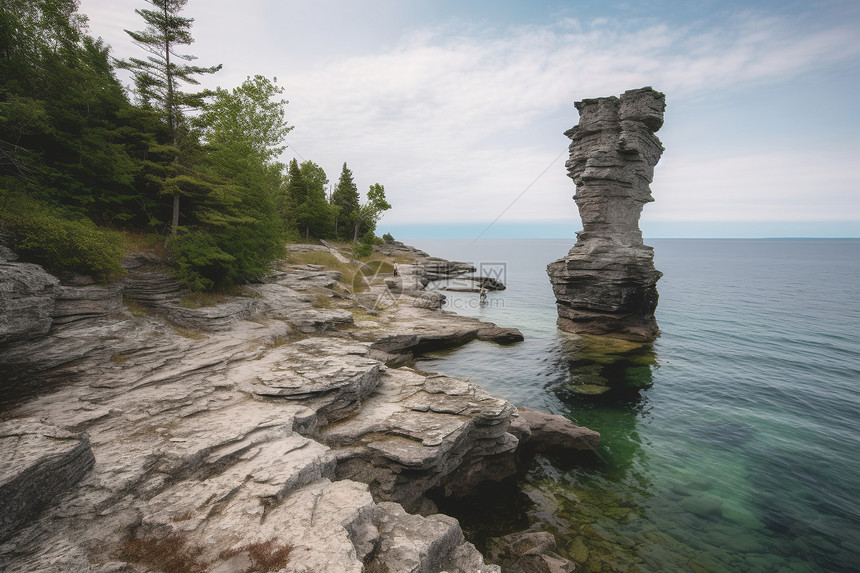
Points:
[[551, 433], [529, 552], [606, 284]]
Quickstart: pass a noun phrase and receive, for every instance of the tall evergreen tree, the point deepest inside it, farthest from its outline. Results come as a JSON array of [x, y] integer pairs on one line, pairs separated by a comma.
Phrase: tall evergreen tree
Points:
[[158, 79], [345, 200], [67, 131], [315, 214], [297, 190]]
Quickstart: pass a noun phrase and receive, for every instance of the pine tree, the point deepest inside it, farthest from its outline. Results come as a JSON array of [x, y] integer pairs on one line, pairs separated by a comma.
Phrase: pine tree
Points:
[[345, 200], [158, 79], [314, 213]]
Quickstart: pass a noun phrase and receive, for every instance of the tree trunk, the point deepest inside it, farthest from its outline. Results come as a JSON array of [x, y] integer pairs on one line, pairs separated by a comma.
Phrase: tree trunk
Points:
[[175, 214], [355, 236]]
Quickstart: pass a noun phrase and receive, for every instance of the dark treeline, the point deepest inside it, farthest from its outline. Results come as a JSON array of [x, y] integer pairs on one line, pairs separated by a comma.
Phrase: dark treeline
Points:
[[83, 163]]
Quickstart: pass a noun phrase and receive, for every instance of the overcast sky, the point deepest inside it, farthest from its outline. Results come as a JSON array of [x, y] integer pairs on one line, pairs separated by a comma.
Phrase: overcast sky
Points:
[[459, 108]]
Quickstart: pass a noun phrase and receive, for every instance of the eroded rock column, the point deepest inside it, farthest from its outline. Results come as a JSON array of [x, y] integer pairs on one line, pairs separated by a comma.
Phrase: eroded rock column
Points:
[[606, 284]]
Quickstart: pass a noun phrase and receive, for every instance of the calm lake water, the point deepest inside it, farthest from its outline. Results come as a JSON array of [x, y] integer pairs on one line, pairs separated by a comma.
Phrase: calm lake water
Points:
[[730, 444]]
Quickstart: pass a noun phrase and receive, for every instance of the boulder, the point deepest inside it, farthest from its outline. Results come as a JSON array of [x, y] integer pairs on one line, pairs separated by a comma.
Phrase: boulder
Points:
[[472, 284], [394, 248], [415, 544], [434, 269], [420, 432], [221, 317]]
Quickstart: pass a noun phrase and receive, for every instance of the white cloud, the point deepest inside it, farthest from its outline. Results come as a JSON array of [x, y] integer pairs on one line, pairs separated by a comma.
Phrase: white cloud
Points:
[[754, 187], [425, 116], [446, 117]]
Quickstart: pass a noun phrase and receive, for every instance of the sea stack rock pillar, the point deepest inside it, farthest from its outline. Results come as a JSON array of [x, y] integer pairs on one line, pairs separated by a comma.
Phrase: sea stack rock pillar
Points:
[[607, 283]]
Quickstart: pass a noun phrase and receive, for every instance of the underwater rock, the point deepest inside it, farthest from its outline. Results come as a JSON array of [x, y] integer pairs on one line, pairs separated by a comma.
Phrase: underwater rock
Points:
[[551, 433], [606, 285], [529, 552], [703, 506]]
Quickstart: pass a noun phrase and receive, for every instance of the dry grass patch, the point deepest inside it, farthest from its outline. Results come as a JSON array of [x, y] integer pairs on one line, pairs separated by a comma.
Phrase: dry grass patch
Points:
[[144, 243], [170, 554], [322, 300], [265, 555], [202, 299], [136, 308], [186, 333]]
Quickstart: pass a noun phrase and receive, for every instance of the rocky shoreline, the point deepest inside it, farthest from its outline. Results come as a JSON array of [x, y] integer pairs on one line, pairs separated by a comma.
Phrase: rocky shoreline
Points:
[[281, 430]]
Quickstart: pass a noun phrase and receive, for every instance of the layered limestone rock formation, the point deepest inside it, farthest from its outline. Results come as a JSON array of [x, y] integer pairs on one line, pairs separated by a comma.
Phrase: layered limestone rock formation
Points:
[[272, 424], [606, 284]]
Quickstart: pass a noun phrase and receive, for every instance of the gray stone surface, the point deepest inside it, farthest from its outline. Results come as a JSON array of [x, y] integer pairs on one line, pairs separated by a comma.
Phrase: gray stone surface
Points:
[[27, 298], [414, 544], [149, 281], [395, 248], [220, 317], [75, 303], [39, 464], [285, 428], [529, 552], [418, 432], [551, 433], [606, 284]]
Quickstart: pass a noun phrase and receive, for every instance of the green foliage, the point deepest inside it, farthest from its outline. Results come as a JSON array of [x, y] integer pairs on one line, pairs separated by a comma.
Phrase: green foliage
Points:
[[66, 127], [158, 79], [76, 153], [371, 211], [236, 230], [58, 241], [310, 214], [160, 76], [249, 114], [200, 262], [387, 238], [345, 200], [364, 249]]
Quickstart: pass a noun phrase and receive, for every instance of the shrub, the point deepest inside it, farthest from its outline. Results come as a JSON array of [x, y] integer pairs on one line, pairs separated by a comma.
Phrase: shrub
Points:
[[59, 240], [362, 250], [200, 262]]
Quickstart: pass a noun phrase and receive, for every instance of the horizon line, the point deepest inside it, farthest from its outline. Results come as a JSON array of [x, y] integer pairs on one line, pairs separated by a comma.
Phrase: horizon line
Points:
[[567, 229]]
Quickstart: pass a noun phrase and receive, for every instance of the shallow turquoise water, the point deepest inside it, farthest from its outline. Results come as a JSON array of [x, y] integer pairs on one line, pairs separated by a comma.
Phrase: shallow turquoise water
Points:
[[729, 444]]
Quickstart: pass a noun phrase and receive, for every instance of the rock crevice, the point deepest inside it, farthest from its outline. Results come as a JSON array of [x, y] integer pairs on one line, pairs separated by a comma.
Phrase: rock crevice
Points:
[[606, 284]]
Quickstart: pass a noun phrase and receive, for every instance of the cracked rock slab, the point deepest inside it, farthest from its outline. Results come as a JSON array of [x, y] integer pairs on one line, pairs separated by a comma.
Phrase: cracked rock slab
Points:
[[39, 464]]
